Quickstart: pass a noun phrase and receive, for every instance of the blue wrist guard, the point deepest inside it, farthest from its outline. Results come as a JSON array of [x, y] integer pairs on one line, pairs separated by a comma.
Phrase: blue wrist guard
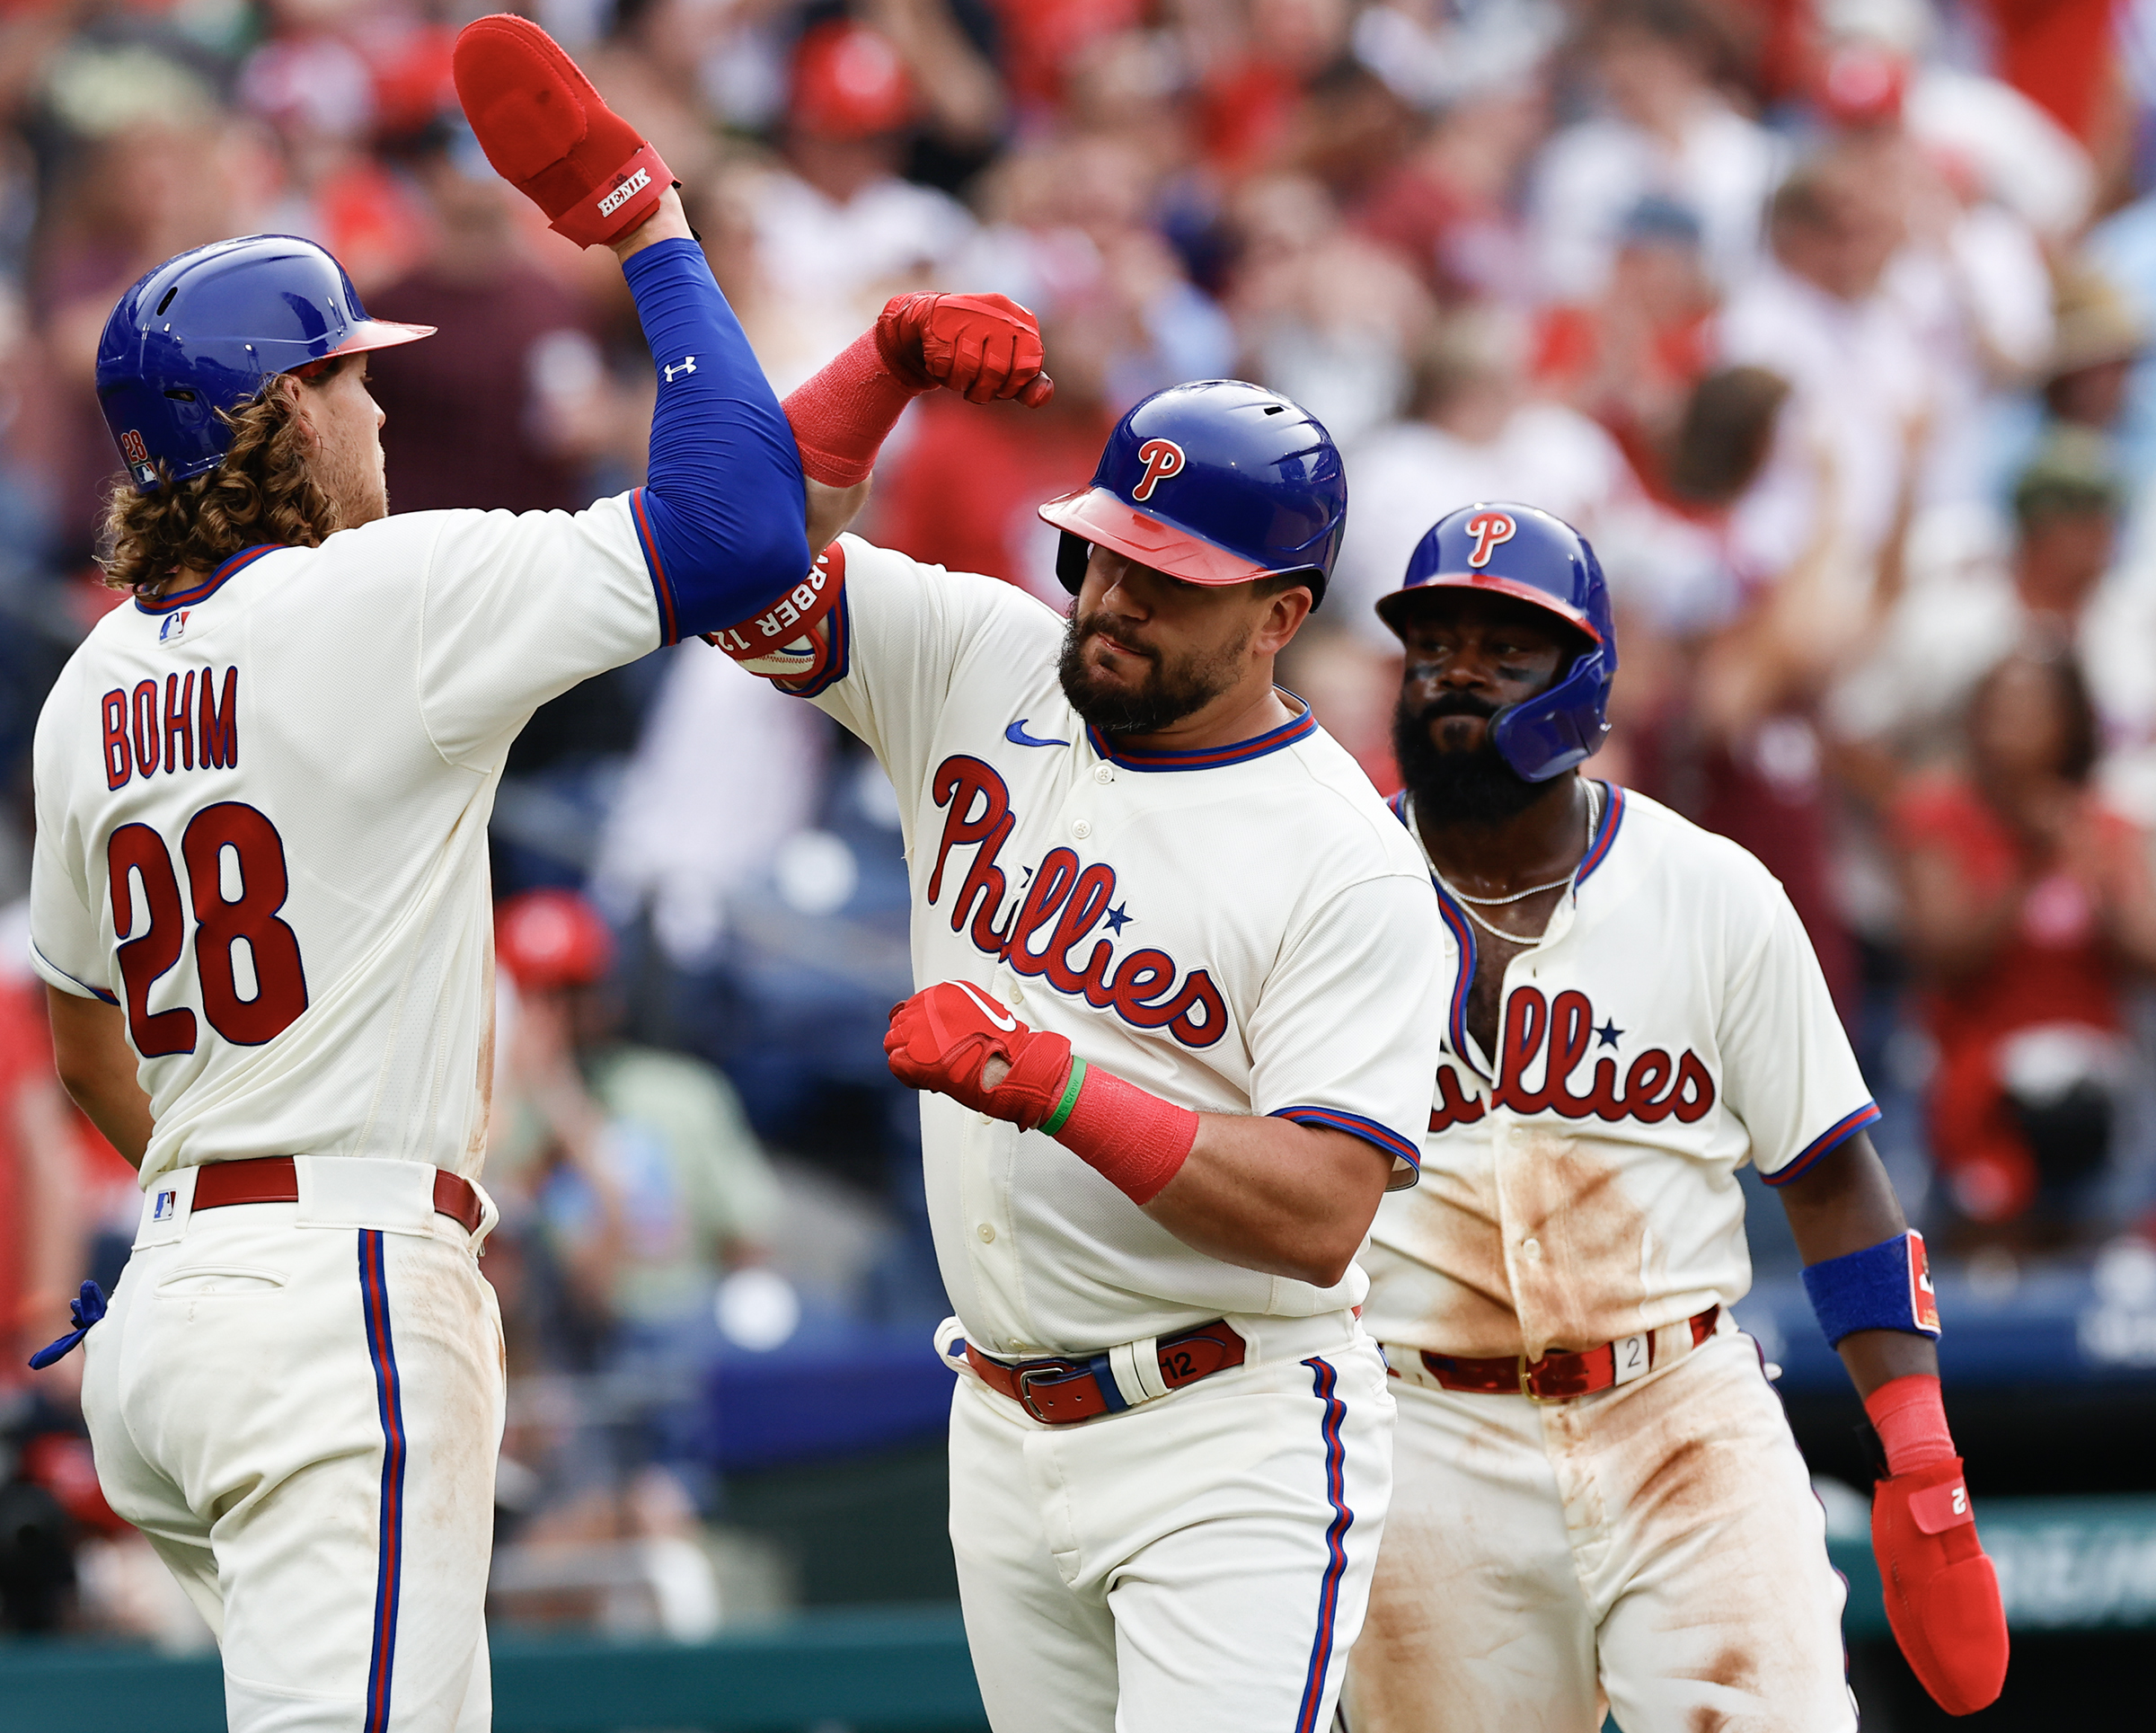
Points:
[[1885, 1286]]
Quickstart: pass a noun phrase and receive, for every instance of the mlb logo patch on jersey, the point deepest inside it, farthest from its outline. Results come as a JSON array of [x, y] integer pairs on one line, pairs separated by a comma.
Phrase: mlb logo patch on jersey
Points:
[[1924, 1301], [165, 1207], [174, 627]]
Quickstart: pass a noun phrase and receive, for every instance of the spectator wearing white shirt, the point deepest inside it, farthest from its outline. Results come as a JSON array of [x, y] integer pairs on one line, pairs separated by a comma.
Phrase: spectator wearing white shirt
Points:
[[1668, 133], [1862, 382], [1473, 435], [838, 230]]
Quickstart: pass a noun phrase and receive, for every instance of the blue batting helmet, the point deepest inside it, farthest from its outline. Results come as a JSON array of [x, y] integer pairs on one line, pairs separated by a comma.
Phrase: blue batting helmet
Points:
[[1219, 482], [206, 330], [1533, 557]]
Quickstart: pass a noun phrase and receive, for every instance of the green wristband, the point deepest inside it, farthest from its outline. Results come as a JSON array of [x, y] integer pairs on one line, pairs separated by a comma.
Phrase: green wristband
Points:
[[1056, 1121]]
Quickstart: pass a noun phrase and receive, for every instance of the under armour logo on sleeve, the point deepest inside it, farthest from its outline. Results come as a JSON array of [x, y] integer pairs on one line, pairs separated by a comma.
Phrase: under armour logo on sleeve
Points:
[[686, 365]]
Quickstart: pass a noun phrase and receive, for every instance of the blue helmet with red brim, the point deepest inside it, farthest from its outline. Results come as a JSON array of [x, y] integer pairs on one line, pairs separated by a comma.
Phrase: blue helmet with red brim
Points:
[[1217, 483], [206, 330], [1533, 557]]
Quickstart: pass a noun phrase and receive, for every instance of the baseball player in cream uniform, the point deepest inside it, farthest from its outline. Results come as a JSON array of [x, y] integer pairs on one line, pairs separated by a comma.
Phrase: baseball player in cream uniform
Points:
[[1148, 884], [260, 903], [1599, 1505]]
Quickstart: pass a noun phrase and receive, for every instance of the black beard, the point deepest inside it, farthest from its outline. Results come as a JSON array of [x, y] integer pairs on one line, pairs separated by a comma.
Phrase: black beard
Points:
[[1168, 693], [1474, 788]]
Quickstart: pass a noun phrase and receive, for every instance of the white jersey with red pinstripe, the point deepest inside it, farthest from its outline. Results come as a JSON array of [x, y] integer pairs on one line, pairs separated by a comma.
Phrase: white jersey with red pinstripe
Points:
[[1579, 1185]]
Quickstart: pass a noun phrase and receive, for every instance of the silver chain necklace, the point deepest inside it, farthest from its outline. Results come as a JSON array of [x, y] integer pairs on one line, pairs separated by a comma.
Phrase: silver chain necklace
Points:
[[1470, 904]]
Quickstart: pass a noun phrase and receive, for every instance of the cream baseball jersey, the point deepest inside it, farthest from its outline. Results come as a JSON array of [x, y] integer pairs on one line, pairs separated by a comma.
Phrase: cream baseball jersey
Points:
[[262, 809], [1240, 930], [1579, 1185]]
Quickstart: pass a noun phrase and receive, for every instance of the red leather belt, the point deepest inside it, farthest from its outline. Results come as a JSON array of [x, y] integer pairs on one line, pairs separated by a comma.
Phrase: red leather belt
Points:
[[273, 1179], [1063, 1391], [1555, 1376]]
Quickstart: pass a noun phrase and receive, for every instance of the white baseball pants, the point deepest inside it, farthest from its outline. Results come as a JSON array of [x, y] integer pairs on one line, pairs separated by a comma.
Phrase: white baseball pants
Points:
[[1196, 1565], [305, 1421], [1655, 1550]]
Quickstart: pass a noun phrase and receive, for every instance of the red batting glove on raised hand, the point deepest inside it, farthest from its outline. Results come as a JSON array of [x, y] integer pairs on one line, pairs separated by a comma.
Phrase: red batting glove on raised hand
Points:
[[984, 347], [942, 1037], [981, 346], [551, 135], [1942, 1595]]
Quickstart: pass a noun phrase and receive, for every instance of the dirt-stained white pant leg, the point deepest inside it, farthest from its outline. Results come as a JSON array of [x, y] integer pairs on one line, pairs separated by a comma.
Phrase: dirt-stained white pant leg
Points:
[[1477, 1620], [1658, 1543], [1208, 1556], [320, 1410], [1718, 1606]]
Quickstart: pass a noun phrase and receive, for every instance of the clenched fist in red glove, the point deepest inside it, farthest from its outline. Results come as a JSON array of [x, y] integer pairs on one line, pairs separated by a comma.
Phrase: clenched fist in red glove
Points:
[[1942, 1595], [984, 347], [942, 1036]]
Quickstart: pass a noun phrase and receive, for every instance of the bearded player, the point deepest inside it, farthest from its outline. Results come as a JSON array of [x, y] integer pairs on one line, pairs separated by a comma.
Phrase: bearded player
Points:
[[1599, 1505], [1172, 1040], [260, 897]]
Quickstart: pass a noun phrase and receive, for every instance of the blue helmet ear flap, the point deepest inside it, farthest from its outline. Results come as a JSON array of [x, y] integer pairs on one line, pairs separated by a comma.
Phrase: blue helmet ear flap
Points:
[[1561, 729]]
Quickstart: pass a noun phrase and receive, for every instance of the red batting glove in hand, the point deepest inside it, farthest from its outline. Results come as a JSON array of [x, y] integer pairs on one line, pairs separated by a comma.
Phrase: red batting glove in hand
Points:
[[939, 1039], [984, 347], [981, 346], [1942, 1595], [551, 135], [942, 1037]]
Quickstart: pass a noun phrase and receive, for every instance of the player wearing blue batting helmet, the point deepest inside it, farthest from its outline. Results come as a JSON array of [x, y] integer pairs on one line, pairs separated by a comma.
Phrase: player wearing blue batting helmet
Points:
[[202, 333], [1217, 483], [1540, 561], [1195, 553]]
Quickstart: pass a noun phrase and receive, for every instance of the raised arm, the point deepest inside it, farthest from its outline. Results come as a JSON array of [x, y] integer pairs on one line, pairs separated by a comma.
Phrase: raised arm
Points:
[[721, 516]]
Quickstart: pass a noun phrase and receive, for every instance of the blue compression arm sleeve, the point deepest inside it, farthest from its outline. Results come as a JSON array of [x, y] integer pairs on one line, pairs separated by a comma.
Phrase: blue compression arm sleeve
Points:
[[721, 516]]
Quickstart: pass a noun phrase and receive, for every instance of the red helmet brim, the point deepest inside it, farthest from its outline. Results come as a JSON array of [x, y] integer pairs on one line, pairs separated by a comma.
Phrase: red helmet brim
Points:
[[1097, 516], [1387, 606]]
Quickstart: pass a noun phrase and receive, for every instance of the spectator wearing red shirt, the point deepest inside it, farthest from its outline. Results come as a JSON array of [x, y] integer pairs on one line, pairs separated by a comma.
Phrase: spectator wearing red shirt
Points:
[[2027, 905], [963, 493]]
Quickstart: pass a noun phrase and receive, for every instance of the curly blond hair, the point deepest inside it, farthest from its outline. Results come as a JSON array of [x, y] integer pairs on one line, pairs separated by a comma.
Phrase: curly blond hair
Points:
[[261, 493]]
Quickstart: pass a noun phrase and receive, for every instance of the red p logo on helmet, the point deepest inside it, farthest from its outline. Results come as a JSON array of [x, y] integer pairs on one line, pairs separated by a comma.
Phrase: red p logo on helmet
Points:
[[1162, 458], [1489, 528]]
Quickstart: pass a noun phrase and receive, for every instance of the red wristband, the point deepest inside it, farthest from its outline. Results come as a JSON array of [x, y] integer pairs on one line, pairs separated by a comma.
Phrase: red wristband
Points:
[[1912, 1423], [1136, 1141], [842, 417]]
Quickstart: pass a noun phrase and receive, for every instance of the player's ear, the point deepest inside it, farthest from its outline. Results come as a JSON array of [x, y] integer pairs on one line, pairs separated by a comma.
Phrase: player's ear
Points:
[[1284, 613]]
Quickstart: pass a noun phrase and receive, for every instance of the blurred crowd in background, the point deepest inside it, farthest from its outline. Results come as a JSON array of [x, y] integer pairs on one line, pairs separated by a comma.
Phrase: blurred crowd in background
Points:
[[1827, 321]]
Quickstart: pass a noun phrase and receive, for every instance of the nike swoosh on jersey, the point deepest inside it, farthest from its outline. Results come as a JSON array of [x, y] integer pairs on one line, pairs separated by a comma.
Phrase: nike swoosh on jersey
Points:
[[1001, 1019], [1018, 736]]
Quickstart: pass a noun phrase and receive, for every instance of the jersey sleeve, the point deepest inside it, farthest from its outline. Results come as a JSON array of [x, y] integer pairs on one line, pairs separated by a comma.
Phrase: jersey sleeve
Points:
[[68, 946], [518, 607], [903, 636], [1346, 1030], [1789, 1073]]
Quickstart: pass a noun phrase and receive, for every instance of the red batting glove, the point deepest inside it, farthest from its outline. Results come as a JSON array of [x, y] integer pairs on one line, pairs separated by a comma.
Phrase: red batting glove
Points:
[[551, 135], [942, 1037], [1942, 1594], [981, 346], [984, 347]]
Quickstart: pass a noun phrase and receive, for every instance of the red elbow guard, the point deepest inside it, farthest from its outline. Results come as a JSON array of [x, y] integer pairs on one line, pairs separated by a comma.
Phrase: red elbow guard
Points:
[[786, 642], [1134, 1139]]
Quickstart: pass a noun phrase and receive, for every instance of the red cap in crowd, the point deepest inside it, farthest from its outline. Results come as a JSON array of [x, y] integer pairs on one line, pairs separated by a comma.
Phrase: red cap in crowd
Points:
[[849, 82], [552, 939], [1861, 85]]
